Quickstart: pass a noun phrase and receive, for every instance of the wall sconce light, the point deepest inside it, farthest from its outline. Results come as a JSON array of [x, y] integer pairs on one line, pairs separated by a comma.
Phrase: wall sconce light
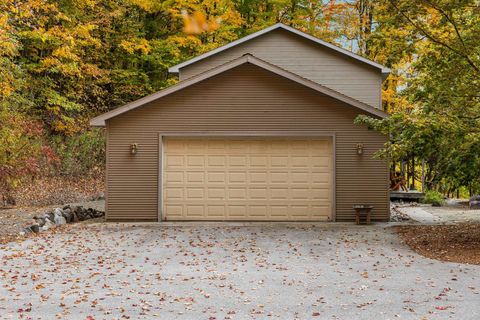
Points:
[[134, 148], [359, 149]]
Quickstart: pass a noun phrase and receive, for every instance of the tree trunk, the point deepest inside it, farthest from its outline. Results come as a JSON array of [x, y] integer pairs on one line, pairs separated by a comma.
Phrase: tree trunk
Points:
[[365, 19], [412, 187]]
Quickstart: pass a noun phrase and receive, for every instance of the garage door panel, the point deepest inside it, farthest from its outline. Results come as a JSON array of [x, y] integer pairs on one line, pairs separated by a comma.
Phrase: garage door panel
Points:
[[300, 177], [194, 176], [279, 193], [300, 161], [218, 177], [321, 161], [259, 162], [321, 177], [216, 193], [247, 179], [279, 177], [175, 147], [216, 211], [174, 211], [321, 194], [174, 161], [216, 145], [258, 211], [300, 193], [279, 212], [195, 193], [173, 193], [237, 161], [279, 161], [257, 177], [216, 161], [299, 211], [237, 193], [195, 211], [260, 193], [195, 161], [236, 211], [237, 177]]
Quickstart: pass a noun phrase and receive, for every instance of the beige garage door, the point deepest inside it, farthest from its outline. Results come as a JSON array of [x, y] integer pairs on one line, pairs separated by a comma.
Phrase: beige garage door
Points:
[[271, 179]]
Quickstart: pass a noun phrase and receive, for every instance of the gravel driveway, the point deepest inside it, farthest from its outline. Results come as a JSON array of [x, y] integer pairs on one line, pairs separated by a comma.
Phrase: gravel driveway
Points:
[[327, 271]]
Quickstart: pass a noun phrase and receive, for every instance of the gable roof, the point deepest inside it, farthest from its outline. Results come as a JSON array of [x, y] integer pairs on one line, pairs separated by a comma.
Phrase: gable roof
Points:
[[385, 71], [247, 58]]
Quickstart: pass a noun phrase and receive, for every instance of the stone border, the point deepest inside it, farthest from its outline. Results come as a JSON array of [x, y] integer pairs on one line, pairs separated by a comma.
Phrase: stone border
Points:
[[60, 216]]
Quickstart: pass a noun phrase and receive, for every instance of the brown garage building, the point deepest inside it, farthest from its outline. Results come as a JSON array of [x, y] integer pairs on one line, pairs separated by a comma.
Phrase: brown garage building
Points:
[[259, 129]]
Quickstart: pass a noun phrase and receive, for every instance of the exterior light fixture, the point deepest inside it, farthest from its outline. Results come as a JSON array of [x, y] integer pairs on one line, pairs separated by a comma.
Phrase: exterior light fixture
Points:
[[359, 149], [134, 148]]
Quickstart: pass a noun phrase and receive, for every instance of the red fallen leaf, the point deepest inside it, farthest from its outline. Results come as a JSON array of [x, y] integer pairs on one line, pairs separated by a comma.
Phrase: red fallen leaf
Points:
[[315, 314], [90, 318], [441, 308]]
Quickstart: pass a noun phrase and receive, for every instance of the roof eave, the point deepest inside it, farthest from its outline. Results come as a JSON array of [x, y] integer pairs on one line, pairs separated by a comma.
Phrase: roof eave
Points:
[[99, 121]]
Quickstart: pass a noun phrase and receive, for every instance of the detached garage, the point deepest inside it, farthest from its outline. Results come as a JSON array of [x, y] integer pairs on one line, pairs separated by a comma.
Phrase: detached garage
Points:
[[244, 139]]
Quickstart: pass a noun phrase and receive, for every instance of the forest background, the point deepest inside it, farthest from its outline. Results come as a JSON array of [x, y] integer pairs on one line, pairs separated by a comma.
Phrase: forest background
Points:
[[64, 62]]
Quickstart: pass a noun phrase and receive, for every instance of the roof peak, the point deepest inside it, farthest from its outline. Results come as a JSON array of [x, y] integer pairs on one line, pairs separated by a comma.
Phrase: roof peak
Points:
[[276, 26]]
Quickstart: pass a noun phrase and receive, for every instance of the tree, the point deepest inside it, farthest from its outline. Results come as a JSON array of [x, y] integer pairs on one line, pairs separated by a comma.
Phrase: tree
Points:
[[441, 124]]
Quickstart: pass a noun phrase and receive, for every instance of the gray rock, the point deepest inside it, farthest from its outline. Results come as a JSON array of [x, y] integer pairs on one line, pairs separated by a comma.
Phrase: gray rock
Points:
[[48, 225], [50, 216], [90, 213], [40, 221], [79, 213], [68, 215], [60, 220], [82, 214], [35, 228], [74, 217], [474, 204], [98, 213]]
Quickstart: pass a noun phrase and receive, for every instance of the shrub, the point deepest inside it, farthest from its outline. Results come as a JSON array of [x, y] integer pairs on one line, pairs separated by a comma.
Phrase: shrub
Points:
[[80, 154], [434, 198], [21, 150]]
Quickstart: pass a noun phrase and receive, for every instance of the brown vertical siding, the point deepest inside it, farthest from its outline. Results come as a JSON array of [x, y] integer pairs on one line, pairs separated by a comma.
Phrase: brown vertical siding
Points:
[[307, 59], [243, 100]]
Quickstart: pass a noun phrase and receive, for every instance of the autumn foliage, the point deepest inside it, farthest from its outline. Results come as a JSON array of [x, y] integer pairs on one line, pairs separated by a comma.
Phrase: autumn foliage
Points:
[[63, 62]]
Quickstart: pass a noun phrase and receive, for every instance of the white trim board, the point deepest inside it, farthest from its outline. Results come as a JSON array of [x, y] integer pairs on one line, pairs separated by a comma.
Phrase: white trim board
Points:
[[247, 58], [385, 71]]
